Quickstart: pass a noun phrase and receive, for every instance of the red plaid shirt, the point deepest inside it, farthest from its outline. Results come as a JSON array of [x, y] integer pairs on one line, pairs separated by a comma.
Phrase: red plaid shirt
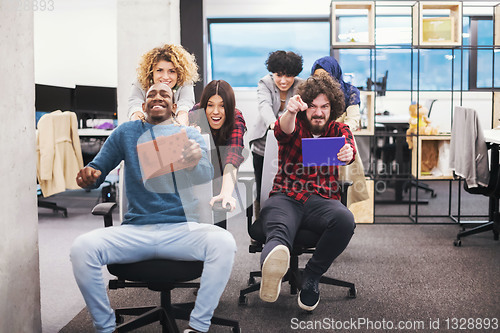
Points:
[[234, 145], [301, 182]]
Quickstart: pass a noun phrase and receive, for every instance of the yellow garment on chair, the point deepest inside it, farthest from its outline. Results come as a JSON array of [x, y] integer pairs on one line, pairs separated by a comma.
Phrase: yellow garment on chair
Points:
[[59, 154]]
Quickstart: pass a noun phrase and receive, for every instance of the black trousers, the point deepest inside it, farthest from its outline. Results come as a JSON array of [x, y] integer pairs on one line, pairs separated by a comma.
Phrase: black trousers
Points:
[[282, 217], [258, 165]]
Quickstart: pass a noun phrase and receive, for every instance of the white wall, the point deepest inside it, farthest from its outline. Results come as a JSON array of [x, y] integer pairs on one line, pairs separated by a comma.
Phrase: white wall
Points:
[[142, 25], [19, 272], [76, 43], [263, 8]]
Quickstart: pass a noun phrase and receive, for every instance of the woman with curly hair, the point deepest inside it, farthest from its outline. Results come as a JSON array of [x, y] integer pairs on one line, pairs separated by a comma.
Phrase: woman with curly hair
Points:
[[170, 64], [273, 92], [351, 117], [217, 111]]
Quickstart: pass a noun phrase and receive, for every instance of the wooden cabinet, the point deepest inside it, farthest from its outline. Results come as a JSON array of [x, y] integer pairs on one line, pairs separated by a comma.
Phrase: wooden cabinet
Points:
[[496, 110], [365, 36], [497, 25], [430, 157], [367, 111], [437, 23]]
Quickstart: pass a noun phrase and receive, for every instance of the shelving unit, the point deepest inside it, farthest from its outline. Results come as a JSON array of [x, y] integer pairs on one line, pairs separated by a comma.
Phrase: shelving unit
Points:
[[368, 123], [436, 26], [353, 8], [496, 109], [426, 147], [497, 25]]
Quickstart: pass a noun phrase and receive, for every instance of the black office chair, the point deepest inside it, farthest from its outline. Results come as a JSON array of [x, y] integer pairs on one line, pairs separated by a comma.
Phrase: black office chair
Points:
[[162, 275], [305, 240], [50, 205], [492, 190]]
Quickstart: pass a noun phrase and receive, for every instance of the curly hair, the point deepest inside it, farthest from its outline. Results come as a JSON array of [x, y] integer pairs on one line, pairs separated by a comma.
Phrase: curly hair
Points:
[[322, 84], [282, 62], [183, 61], [225, 91]]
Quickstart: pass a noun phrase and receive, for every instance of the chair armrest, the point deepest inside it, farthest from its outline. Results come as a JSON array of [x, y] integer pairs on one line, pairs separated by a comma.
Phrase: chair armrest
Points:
[[105, 209], [344, 186]]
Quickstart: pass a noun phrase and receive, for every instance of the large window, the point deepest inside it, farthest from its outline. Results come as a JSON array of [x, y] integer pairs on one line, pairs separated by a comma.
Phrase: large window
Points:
[[481, 59], [239, 49]]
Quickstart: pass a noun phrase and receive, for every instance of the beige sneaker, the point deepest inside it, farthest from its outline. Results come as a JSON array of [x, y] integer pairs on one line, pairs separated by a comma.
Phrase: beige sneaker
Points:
[[274, 268]]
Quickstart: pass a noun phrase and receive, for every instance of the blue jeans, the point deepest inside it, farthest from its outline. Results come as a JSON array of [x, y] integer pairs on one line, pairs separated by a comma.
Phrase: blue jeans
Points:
[[131, 243]]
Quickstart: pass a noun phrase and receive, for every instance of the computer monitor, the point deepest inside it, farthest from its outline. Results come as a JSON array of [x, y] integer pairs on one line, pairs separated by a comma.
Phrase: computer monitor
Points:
[[380, 86], [93, 102], [50, 98]]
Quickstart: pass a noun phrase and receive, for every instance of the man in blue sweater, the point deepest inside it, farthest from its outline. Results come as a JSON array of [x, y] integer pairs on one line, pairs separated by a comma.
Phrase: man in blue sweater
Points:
[[159, 223]]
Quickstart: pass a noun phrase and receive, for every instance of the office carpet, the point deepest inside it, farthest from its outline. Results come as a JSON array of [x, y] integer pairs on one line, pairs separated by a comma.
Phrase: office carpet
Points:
[[404, 273]]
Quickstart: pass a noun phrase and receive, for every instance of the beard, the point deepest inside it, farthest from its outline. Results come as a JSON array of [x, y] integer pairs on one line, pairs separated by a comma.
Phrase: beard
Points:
[[317, 129]]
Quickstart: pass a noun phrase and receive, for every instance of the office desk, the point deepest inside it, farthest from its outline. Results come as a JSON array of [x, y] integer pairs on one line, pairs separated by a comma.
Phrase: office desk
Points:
[[93, 132], [91, 141], [396, 119], [492, 137]]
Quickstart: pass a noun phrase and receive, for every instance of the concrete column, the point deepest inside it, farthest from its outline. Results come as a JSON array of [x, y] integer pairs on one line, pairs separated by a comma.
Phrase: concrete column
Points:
[[19, 264], [142, 25]]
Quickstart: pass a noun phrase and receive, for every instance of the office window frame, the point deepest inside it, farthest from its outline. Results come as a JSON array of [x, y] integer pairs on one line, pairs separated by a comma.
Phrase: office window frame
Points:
[[472, 48], [473, 58], [209, 57]]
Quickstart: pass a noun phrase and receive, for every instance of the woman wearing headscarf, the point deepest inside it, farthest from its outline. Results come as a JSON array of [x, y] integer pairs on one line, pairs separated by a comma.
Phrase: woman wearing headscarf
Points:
[[351, 117]]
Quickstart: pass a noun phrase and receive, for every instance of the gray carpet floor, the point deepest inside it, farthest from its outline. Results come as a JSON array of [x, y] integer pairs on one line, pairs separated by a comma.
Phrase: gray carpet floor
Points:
[[403, 273]]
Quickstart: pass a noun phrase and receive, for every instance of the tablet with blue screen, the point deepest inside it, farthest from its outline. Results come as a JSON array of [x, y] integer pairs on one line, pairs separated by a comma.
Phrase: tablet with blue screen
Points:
[[322, 151]]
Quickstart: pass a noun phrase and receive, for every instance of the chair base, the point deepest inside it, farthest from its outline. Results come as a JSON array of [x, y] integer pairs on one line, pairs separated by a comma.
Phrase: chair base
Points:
[[166, 314], [494, 226], [294, 278], [419, 185], [52, 205]]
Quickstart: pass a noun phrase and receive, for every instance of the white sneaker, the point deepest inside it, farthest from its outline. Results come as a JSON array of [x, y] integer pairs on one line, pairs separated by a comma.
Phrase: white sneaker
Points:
[[274, 268], [190, 330]]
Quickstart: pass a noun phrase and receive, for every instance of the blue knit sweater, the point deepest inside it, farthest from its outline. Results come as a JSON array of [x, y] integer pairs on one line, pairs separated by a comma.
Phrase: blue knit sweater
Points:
[[164, 199]]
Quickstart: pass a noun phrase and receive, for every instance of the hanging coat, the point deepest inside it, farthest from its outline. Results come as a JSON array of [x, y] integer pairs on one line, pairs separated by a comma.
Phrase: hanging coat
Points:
[[59, 152]]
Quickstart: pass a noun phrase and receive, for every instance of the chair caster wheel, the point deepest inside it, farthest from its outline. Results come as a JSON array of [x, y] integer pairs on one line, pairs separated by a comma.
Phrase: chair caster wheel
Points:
[[236, 330], [243, 300], [351, 293], [433, 195], [457, 242]]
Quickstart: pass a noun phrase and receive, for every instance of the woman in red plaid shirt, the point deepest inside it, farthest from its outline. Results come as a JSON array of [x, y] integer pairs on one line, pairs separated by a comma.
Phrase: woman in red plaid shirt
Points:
[[306, 197], [227, 126]]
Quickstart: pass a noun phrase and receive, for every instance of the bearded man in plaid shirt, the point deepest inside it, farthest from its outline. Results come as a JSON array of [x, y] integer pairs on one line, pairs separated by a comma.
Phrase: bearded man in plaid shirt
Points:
[[306, 197]]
